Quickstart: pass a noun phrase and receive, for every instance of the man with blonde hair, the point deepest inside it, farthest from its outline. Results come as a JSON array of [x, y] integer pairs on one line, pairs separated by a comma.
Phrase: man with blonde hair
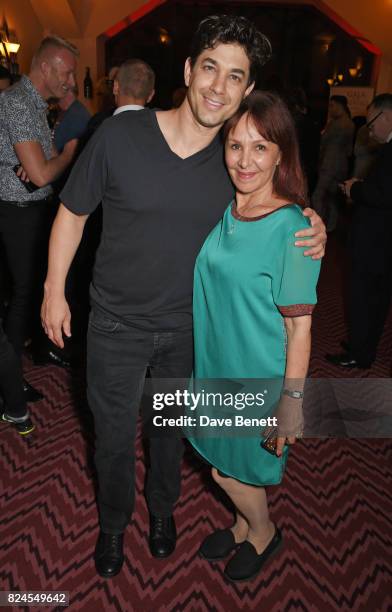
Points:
[[26, 207]]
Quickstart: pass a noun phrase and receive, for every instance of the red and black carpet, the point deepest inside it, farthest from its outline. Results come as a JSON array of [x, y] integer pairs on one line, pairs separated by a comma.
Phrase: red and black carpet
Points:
[[334, 508]]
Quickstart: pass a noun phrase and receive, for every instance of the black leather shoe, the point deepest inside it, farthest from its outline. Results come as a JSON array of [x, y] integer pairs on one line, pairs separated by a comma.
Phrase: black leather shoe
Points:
[[345, 360], [31, 394], [163, 536], [218, 545], [50, 358], [246, 563], [109, 555]]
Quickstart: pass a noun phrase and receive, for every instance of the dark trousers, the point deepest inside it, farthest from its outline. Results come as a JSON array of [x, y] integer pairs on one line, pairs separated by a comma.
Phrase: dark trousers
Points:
[[370, 282], [24, 233], [11, 382], [117, 360]]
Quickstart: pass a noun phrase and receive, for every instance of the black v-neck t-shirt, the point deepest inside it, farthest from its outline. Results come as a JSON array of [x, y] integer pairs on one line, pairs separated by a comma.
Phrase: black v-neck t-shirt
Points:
[[157, 211]]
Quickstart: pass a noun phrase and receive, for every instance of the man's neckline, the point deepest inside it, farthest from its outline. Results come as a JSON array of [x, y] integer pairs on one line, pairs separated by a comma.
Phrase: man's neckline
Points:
[[201, 152]]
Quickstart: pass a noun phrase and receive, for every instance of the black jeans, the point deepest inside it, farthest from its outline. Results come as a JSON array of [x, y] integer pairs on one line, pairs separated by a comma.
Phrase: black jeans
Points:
[[117, 360], [11, 382], [24, 235]]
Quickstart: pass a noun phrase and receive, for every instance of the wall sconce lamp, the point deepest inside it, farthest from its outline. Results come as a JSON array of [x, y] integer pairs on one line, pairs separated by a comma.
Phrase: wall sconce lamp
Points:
[[9, 49], [356, 71], [337, 79], [12, 47], [164, 36]]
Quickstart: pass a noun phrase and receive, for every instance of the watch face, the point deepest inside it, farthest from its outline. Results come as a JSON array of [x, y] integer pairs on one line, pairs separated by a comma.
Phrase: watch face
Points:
[[294, 394]]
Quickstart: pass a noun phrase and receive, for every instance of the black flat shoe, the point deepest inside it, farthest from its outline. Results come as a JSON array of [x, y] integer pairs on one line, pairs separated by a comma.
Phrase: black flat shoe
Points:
[[109, 555], [163, 536], [31, 394], [50, 358], [218, 545], [246, 563], [345, 360]]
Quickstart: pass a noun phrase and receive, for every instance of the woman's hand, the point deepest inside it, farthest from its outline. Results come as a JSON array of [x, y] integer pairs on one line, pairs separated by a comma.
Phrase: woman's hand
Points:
[[281, 441], [277, 443], [316, 235], [290, 420]]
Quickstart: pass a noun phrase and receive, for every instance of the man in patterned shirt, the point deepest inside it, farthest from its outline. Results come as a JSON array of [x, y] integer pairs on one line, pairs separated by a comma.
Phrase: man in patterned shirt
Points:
[[25, 142]]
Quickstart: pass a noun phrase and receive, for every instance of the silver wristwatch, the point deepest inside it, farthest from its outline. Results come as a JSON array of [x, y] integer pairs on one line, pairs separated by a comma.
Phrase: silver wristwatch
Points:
[[293, 394]]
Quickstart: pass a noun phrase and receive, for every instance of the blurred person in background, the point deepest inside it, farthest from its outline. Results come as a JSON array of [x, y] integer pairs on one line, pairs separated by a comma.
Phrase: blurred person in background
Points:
[[335, 151], [5, 82], [366, 149], [133, 86], [72, 120], [105, 102], [13, 408], [370, 245], [26, 212], [308, 135]]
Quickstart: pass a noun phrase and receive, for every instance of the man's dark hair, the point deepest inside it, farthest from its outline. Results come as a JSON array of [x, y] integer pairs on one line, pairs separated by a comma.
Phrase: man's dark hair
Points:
[[382, 101], [230, 29], [136, 78]]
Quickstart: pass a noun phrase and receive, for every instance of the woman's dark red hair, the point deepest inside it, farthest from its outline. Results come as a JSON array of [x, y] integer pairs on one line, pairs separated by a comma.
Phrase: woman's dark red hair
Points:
[[274, 122]]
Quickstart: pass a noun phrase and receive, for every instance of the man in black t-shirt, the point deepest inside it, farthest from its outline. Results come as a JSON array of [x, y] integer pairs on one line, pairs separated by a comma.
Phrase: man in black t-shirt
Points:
[[163, 186]]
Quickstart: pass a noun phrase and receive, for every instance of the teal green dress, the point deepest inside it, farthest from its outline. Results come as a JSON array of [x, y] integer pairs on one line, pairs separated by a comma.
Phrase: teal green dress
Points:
[[248, 276]]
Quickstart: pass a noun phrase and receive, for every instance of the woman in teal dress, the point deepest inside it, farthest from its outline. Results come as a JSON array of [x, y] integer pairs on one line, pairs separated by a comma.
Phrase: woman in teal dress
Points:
[[254, 292]]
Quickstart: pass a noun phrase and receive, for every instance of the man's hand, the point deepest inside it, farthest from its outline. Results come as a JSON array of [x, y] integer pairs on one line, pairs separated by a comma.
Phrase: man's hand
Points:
[[346, 186], [56, 318], [316, 236], [22, 174], [70, 147]]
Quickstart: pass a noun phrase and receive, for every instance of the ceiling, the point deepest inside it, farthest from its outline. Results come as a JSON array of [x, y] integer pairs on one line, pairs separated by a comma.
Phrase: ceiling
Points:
[[89, 18]]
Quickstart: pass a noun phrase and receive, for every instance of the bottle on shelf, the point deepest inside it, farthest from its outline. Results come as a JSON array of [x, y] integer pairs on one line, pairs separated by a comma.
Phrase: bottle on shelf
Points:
[[88, 85]]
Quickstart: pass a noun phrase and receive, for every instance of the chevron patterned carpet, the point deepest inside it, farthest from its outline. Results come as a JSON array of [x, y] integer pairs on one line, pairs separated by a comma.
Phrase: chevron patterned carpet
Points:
[[334, 508]]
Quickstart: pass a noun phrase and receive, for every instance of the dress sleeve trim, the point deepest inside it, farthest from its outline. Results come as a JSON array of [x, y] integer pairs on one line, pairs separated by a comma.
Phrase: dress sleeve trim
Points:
[[296, 310]]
